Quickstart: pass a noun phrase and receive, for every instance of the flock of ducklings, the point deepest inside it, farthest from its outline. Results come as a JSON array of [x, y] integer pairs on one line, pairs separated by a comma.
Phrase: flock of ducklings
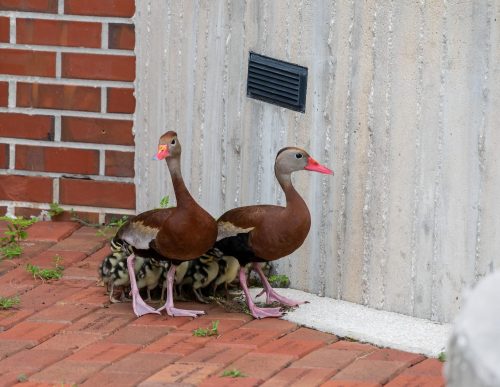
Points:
[[206, 273]]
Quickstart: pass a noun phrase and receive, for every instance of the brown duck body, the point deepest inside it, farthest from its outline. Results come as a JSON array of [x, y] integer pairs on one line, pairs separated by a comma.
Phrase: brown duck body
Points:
[[171, 235], [179, 233], [261, 233], [273, 231]]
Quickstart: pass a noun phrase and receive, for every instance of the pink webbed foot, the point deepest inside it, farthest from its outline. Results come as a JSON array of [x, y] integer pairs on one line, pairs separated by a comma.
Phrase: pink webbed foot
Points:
[[140, 307], [176, 312], [138, 304], [264, 312], [271, 294], [169, 304], [255, 310]]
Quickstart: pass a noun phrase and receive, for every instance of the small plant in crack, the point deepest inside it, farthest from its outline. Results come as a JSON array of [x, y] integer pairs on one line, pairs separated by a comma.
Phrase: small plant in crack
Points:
[[47, 274], [22, 378], [204, 332], [113, 223], [8, 302], [16, 232], [55, 209], [234, 373]]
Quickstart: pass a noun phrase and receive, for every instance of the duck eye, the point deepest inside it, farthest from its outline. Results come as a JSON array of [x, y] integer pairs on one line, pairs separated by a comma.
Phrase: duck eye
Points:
[[172, 142], [298, 155]]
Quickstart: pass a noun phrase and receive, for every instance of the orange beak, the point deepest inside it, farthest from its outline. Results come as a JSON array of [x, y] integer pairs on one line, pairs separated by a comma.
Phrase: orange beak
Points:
[[162, 152], [313, 165]]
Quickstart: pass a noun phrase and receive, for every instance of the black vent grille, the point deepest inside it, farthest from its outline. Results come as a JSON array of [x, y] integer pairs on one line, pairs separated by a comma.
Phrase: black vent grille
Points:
[[277, 82]]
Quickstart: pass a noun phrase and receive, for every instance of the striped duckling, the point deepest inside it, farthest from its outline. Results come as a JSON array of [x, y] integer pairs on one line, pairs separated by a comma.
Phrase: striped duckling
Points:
[[228, 271], [200, 273]]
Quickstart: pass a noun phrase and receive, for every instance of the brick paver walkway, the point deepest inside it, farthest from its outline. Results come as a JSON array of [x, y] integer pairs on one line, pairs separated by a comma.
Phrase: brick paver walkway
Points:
[[65, 332]]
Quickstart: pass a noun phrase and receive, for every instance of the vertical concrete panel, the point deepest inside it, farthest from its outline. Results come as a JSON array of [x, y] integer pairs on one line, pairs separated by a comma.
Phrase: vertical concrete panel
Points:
[[404, 78], [401, 103], [428, 157], [488, 241]]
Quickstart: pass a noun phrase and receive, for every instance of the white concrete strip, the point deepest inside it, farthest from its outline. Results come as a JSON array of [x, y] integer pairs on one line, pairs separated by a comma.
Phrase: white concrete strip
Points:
[[67, 113], [381, 328], [79, 50], [66, 81], [50, 16], [109, 179], [77, 145]]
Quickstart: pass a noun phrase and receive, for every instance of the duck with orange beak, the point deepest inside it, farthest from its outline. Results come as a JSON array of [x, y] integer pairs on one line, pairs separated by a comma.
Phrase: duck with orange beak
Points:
[[263, 233]]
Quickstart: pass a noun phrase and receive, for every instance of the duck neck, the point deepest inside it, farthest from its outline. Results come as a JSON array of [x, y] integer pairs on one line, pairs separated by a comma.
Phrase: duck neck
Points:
[[182, 195], [292, 196]]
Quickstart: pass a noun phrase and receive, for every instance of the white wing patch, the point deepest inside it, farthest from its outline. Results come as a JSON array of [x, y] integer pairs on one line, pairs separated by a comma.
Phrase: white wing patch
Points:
[[227, 229], [139, 235]]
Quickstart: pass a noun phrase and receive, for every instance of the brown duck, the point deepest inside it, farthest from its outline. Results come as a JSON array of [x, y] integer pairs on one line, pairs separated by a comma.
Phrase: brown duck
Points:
[[262, 233], [169, 236]]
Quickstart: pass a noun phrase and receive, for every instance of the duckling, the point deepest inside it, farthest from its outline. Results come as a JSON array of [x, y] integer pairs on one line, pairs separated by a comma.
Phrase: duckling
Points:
[[228, 271], [200, 273], [118, 253], [179, 276], [105, 269], [148, 276], [118, 278]]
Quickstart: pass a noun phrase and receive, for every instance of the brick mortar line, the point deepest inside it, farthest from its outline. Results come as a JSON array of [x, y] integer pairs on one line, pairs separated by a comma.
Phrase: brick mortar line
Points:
[[12, 156], [58, 65], [68, 144], [12, 93], [67, 81], [68, 49], [12, 30], [104, 99], [67, 207], [55, 190], [102, 162], [57, 129], [68, 113], [67, 17], [104, 36], [56, 175]]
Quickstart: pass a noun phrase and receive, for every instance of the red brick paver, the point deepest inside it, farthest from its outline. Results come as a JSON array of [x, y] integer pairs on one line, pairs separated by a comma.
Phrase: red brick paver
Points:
[[67, 332]]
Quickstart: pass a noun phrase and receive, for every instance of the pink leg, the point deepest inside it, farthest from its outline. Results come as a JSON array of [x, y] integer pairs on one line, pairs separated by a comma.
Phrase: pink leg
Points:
[[270, 292], [140, 307], [256, 311], [169, 304]]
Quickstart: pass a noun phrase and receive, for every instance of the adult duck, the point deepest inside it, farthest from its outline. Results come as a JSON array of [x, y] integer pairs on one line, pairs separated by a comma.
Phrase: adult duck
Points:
[[169, 236], [264, 233]]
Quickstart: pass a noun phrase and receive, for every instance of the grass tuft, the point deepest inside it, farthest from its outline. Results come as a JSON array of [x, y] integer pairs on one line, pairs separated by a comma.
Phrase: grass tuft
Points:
[[8, 302], [47, 274], [234, 373], [212, 331]]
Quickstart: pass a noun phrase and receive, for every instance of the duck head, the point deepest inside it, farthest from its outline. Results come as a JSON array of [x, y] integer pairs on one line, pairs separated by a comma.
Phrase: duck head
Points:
[[168, 146], [291, 159]]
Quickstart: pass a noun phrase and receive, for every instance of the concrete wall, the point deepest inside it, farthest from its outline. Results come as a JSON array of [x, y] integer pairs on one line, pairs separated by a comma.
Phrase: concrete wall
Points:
[[401, 103]]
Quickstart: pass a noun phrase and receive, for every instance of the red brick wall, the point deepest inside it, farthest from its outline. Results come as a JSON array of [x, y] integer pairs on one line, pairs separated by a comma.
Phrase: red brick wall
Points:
[[67, 69]]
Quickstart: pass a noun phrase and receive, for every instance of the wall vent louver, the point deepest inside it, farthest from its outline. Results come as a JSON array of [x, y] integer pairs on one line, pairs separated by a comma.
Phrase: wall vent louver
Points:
[[277, 82]]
